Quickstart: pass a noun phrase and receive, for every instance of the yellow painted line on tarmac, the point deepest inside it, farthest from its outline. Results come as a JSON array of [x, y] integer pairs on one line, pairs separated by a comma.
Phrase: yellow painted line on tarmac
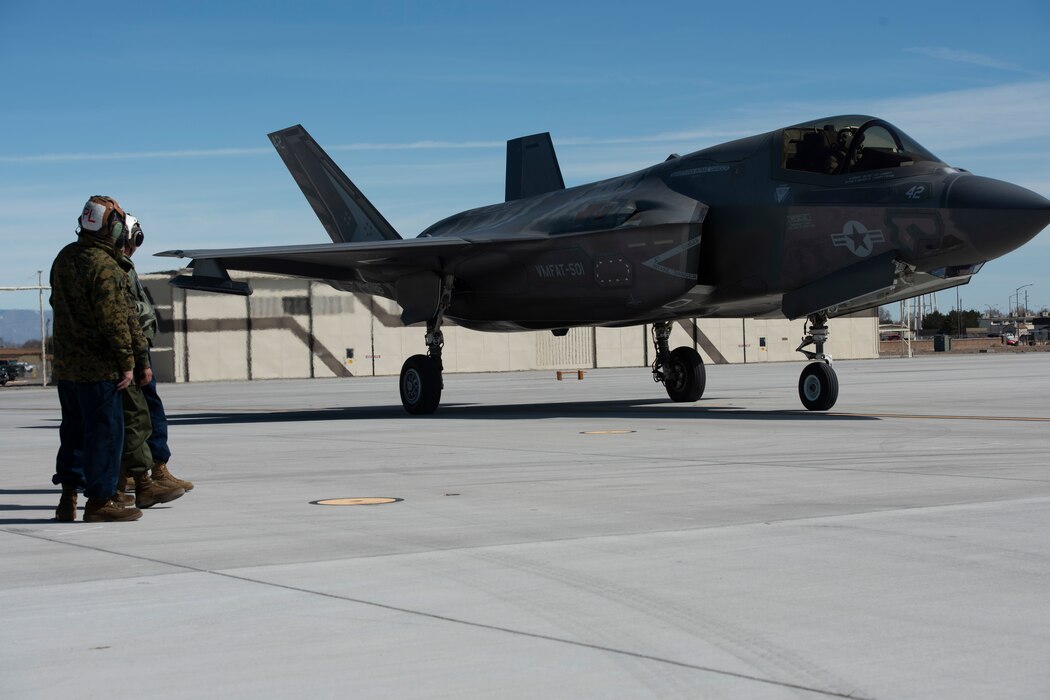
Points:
[[919, 416]]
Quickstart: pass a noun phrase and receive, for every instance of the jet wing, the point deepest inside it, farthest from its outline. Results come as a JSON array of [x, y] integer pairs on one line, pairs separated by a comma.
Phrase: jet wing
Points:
[[408, 271], [383, 261]]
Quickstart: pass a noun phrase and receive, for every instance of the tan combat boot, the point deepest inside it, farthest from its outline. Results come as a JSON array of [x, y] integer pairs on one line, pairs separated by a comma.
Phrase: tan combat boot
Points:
[[67, 505], [124, 499], [125, 482], [149, 492], [162, 475], [107, 510]]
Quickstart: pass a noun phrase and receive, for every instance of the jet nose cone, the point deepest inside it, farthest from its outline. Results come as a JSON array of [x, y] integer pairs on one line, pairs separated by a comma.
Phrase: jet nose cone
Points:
[[975, 192], [998, 216]]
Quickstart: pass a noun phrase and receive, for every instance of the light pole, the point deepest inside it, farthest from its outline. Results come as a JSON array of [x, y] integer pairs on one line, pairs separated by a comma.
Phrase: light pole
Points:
[[43, 341], [1016, 295], [1017, 302]]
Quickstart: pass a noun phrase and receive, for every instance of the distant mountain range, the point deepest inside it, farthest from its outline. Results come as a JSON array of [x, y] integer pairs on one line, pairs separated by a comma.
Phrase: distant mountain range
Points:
[[19, 325]]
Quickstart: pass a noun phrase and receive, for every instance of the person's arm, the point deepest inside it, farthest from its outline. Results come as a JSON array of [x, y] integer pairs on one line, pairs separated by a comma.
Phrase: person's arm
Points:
[[111, 305]]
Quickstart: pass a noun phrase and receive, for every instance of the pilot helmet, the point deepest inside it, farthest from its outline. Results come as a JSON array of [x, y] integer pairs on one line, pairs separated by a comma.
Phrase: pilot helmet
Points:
[[103, 216]]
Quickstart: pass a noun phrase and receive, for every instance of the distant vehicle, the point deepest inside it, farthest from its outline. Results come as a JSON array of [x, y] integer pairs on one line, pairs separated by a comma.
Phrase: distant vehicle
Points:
[[15, 369], [1009, 339], [4, 377]]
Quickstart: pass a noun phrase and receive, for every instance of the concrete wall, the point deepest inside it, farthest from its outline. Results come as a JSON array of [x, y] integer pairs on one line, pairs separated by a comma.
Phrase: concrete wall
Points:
[[294, 328], [959, 346]]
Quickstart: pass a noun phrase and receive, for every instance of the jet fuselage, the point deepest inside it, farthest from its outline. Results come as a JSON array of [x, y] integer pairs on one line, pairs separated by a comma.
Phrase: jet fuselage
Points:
[[730, 230]]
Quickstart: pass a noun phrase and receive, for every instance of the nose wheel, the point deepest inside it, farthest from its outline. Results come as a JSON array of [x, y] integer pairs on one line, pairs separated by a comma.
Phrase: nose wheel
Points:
[[818, 387]]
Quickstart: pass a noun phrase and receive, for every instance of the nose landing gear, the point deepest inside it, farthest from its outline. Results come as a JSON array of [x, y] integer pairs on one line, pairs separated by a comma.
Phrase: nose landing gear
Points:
[[681, 370], [818, 387]]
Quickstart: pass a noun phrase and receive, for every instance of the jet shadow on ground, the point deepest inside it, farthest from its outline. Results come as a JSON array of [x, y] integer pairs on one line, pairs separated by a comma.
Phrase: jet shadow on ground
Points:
[[649, 409]]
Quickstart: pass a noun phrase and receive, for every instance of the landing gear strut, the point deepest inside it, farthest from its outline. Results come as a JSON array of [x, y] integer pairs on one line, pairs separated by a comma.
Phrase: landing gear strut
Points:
[[421, 381], [681, 370], [818, 387]]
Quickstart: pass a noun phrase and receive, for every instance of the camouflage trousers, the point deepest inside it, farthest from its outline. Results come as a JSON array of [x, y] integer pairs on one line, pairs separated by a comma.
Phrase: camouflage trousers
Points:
[[137, 431]]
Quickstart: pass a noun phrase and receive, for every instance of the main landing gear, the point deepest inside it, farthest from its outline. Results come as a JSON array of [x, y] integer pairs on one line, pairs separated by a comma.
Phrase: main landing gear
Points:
[[818, 387], [681, 370], [421, 381]]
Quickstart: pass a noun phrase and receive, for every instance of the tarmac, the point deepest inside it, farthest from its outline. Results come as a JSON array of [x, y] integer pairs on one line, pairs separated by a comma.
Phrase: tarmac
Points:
[[553, 539]]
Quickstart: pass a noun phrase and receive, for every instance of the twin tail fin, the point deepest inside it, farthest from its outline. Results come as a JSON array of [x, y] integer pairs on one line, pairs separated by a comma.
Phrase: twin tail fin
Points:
[[344, 211]]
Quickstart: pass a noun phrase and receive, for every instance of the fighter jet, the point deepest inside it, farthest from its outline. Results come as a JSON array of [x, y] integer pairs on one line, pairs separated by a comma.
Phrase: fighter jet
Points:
[[811, 221]]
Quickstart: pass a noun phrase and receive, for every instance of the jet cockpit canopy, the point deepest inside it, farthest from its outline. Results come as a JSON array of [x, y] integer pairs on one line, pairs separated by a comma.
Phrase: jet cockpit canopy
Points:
[[849, 144]]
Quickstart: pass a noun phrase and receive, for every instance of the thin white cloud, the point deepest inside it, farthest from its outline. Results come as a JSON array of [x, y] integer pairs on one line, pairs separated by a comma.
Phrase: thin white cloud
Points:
[[957, 119], [1013, 113], [975, 59], [415, 146], [976, 117], [669, 137], [133, 155]]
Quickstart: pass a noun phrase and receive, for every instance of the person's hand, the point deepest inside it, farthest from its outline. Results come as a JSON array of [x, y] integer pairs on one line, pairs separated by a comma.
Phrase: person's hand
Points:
[[146, 378], [125, 380]]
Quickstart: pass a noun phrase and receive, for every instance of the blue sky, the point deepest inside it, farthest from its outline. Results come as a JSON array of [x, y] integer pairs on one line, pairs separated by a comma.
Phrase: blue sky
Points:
[[167, 106]]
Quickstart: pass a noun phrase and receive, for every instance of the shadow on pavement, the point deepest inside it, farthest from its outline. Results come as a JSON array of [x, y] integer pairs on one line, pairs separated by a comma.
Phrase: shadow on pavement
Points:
[[654, 409]]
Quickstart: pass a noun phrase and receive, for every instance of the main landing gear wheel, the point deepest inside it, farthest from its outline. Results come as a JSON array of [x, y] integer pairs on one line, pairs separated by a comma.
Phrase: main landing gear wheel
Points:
[[685, 376], [421, 382], [681, 371], [818, 387], [420, 385]]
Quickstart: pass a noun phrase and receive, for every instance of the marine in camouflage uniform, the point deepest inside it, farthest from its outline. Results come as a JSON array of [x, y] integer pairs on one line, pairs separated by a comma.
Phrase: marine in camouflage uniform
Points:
[[94, 359], [137, 425], [138, 457]]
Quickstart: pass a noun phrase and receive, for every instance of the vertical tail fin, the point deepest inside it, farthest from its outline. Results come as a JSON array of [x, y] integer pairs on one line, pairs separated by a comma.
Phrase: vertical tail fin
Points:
[[344, 212], [532, 167]]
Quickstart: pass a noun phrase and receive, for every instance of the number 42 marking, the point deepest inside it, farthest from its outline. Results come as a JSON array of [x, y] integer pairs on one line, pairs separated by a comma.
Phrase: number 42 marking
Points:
[[915, 192]]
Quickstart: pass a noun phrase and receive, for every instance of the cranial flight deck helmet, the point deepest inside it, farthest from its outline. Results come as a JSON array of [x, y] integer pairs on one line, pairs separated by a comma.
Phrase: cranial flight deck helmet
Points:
[[103, 216], [133, 236]]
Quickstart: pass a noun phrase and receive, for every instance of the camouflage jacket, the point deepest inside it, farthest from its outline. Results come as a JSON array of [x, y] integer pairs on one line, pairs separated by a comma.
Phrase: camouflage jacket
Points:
[[96, 334], [143, 307]]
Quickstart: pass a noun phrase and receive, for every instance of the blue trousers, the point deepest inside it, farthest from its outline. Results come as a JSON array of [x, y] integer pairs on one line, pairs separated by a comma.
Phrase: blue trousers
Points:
[[91, 437], [158, 441]]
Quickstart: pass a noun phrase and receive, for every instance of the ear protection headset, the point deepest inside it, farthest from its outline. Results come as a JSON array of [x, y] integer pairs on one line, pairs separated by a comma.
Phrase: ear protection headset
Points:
[[133, 233]]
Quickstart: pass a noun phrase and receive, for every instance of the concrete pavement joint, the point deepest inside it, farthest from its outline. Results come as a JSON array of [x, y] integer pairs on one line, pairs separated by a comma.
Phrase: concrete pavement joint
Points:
[[467, 623]]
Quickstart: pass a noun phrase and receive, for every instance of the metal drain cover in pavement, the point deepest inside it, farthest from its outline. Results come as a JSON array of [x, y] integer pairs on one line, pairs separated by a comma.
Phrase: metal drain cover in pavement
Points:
[[362, 501]]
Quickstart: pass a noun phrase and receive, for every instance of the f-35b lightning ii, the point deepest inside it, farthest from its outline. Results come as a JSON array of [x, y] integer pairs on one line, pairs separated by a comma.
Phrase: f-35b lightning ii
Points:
[[815, 220]]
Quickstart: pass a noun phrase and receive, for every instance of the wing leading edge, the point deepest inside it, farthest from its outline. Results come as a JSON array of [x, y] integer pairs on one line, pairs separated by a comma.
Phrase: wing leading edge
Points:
[[342, 264]]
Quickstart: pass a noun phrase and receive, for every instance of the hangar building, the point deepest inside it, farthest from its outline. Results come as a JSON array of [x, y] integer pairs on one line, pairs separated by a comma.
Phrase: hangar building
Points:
[[293, 328]]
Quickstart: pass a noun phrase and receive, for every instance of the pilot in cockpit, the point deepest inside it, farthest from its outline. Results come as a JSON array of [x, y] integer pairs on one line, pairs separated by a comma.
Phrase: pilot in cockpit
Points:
[[837, 153]]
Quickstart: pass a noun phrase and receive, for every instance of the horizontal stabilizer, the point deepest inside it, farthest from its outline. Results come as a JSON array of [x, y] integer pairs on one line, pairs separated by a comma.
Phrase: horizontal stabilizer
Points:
[[210, 276], [532, 167], [344, 211]]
